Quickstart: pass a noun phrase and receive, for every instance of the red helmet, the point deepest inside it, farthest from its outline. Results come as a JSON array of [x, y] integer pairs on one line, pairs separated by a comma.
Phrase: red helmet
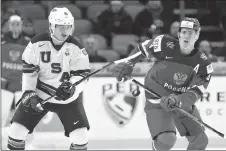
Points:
[[191, 23]]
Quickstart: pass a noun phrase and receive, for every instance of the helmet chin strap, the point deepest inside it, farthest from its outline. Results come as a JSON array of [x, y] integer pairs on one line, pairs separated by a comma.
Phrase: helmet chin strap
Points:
[[57, 40]]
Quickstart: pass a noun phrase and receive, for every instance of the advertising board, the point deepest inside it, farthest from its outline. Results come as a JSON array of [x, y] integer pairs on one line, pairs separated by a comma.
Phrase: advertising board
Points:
[[114, 113]]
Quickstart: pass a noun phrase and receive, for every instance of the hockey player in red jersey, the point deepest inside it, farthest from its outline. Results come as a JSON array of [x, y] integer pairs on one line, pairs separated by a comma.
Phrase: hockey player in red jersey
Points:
[[180, 75], [52, 62]]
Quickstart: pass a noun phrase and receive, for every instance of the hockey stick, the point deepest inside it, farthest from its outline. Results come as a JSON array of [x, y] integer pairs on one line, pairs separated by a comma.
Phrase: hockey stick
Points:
[[179, 109], [93, 73]]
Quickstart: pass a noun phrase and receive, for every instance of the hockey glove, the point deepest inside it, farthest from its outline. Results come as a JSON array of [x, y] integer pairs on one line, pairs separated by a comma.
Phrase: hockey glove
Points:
[[123, 71], [30, 100], [65, 91], [169, 103]]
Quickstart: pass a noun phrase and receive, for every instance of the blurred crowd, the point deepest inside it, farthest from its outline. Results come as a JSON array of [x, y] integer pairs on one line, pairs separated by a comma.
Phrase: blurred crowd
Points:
[[110, 29]]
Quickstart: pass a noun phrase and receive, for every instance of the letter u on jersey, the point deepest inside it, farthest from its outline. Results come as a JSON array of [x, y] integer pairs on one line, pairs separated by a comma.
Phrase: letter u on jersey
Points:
[[45, 56]]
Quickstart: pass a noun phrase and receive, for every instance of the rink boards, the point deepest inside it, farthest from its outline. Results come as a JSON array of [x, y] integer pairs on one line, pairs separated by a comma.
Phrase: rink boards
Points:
[[101, 97]]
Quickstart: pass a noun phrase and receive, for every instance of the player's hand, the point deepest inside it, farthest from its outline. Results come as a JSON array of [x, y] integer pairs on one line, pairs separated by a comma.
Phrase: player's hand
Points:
[[169, 103], [123, 71], [65, 91], [30, 100]]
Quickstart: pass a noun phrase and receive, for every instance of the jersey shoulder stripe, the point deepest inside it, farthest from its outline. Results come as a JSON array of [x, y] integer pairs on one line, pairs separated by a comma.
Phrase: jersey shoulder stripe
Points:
[[46, 88], [157, 43], [29, 68]]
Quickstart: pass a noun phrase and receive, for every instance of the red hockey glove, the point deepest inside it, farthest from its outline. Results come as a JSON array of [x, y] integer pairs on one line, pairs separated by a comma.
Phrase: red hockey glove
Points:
[[169, 103], [65, 91], [188, 99], [123, 70], [30, 100]]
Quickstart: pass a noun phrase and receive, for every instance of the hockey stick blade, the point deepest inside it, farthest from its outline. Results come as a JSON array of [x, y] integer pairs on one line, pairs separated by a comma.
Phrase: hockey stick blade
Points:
[[179, 109]]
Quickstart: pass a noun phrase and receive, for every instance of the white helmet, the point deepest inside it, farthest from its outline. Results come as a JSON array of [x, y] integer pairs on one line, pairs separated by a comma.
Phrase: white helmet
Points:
[[60, 16]]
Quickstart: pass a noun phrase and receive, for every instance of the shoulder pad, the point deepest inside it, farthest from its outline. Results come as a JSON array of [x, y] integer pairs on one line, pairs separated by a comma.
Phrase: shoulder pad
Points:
[[205, 63], [75, 41], [40, 37], [203, 58], [169, 42]]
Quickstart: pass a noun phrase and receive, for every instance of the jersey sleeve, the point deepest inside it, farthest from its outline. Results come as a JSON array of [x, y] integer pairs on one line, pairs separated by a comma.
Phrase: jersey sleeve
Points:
[[152, 48], [198, 85], [80, 68], [202, 78], [30, 68]]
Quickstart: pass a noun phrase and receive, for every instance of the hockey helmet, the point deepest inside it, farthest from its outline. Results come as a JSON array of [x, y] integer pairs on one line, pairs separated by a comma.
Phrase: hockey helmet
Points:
[[191, 23], [60, 16]]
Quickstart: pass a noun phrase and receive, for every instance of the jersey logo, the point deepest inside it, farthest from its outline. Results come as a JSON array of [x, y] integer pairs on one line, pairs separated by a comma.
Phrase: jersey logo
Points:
[[67, 52], [209, 68], [14, 55], [84, 52], [179, 78], [170, 44], [168, 57], [75, 122], [41, 45]]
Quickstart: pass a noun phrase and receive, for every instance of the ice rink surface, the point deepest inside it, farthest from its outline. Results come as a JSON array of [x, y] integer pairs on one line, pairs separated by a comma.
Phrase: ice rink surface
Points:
[[57, 141]]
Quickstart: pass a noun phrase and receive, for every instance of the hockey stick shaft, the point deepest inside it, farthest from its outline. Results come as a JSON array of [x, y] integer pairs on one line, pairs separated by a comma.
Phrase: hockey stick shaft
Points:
[[95, 72], [200, 122], [180, 110]]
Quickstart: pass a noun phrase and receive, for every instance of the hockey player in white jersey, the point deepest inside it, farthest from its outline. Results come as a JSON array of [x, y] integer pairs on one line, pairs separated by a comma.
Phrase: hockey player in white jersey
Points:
[[52, 62]]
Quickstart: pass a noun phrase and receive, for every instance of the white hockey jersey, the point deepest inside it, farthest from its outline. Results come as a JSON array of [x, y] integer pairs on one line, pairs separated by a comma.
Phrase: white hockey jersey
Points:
[[46, 66]]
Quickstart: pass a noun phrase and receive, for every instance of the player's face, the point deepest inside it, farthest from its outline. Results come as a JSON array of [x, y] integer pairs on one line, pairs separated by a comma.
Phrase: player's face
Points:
[[174, 28], [187, 38], [62, 32], [15, 27], [91, 45]]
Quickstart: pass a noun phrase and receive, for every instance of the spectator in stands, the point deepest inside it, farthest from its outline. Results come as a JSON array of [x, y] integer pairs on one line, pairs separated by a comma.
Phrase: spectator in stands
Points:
[[206, 47], [90, 45], [156, 28], [146, 19], [7, 11], [174, 29], [114, 20], [221, 52], [15, 33]]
